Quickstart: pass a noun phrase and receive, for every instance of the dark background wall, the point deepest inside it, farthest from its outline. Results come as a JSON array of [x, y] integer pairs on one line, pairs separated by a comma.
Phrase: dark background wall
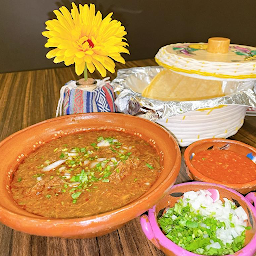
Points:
[[150, 24]]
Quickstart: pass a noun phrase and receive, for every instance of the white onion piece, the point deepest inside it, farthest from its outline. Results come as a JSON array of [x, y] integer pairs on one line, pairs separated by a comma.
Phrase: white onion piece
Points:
[[67, 175], [86, 162], [113, 159], [74, 184], [53, 165], [101, 159], [72, 154], [103, 143], [93, 164]]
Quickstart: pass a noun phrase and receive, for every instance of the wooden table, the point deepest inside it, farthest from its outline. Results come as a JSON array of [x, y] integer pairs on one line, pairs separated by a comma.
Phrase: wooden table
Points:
[[29, 97]]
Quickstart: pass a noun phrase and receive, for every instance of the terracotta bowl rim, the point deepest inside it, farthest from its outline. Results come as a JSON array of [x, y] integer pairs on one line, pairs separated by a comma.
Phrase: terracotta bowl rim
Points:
[[160, 189], [174, 247], [204, 178]]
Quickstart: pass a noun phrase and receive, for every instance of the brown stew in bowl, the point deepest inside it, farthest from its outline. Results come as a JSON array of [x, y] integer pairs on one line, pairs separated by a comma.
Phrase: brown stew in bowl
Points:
[[84, 174]]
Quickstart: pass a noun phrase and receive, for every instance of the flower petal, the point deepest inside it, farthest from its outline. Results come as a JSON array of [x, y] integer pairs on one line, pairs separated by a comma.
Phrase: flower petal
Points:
[[99, 67], [52, 53], [90, 67], [79, 54], [58, 59], [79, 68]]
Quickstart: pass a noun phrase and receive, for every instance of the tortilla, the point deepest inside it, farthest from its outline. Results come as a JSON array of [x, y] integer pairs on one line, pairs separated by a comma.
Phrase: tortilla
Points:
[[170, 86]]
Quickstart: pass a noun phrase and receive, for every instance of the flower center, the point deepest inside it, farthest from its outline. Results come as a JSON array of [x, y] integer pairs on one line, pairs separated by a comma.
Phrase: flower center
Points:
[[91, 44]]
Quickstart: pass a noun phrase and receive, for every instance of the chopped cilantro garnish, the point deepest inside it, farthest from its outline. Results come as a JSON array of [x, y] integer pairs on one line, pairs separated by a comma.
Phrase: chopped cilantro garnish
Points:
[[113, 150], [100, 139], [94, 145], [62, 155], [149, 166], [110, 140], [19, 179], [76, 195], [48, 196], [83, 150]]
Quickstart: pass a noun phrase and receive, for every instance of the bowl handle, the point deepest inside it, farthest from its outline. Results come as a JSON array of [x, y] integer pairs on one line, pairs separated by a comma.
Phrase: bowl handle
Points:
[[251, 197], [147, 229]]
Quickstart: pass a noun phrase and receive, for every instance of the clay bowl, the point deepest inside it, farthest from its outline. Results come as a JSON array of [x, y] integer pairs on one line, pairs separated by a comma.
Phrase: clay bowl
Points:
[[15, 148], [224, 144], [156, 236]]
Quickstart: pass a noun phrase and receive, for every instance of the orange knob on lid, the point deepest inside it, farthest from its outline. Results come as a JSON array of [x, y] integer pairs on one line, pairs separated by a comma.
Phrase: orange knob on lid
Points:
[[218, 45]]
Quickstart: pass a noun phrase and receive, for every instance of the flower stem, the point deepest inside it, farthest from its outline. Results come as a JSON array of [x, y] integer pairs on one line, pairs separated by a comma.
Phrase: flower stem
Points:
[[85, 72]]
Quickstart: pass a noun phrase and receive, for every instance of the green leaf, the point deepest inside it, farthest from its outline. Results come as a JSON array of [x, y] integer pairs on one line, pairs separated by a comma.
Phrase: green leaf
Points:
[[149, 166], [100, 139], [191, 224], [62, 155], [76, 195]]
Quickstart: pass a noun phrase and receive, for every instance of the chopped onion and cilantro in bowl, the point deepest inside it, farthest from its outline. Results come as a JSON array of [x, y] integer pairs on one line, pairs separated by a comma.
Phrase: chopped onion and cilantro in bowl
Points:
[[205, 226], [201, 218]]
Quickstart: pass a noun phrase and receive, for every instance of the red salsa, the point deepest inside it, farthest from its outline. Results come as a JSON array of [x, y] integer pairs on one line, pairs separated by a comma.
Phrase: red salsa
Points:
[[84, 174], [225, 165]]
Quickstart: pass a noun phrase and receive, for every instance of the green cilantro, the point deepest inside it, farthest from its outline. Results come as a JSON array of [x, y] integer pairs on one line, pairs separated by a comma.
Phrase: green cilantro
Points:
[[83, 150], [149, 166], [76, 195], [100, 139], [94, 145], [62, 155]]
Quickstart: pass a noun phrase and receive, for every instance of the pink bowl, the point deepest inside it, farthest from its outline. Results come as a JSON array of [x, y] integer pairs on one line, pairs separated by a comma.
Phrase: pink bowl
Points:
[[156, 236]]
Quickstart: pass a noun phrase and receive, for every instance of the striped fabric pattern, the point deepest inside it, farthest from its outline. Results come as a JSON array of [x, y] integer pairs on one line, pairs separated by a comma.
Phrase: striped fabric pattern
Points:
[[78, 100]]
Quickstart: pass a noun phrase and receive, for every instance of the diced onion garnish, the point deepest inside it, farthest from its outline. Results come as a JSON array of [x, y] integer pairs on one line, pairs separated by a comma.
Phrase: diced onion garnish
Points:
[[103, 143], [53, 165], [72, 154], [74, 184]]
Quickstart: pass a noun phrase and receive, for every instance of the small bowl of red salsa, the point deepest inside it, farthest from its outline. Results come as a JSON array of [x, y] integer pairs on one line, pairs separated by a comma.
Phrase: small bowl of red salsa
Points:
[[222, 161]]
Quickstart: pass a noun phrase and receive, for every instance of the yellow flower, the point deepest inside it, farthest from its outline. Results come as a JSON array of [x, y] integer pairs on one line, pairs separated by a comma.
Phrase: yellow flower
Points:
[[83, 38]]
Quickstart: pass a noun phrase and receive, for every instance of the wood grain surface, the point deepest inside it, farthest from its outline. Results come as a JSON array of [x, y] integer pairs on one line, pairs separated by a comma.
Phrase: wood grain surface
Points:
[[29, 97]]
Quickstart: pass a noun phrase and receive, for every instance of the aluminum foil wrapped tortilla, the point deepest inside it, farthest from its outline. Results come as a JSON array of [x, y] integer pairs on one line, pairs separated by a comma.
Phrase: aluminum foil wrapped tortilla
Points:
[[130, 83], [220, 114]]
